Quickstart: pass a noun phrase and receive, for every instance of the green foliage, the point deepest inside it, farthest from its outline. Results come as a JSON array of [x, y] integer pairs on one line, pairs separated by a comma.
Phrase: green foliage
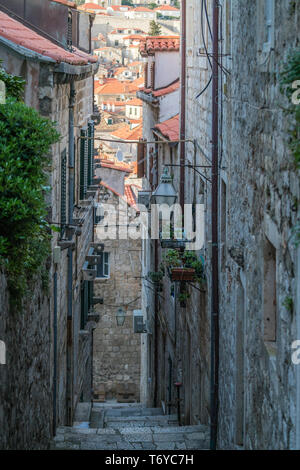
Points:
[[155, 29], [187, 259], [25, 140], [152, 6], [289, 75], [127, 2], [288, 304], [14, 85]]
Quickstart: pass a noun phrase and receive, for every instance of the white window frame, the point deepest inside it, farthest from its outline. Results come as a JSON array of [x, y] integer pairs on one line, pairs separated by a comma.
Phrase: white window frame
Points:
[[105, 266]]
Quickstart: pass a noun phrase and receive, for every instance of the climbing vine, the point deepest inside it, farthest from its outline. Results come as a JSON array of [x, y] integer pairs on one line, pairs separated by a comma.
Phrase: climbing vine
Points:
[[25, 141]]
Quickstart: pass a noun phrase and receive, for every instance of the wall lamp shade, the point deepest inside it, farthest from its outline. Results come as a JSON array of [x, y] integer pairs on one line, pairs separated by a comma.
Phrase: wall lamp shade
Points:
[[165, 192], [120, 316]]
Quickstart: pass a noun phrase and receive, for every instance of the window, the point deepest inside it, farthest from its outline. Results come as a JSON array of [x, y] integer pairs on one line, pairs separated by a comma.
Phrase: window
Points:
[[269, 25], [91, 152], [83, 162], [270, 303], [63, 190], [103, 267], [265, 25], [86, 301]]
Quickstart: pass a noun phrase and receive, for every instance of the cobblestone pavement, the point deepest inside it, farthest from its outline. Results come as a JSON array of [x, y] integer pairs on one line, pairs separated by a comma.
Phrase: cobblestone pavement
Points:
[[130, 427]]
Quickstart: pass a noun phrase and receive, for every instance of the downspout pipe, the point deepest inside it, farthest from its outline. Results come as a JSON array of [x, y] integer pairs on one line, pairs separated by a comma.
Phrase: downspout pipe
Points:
[[214, 399], [182, 107], [69, 398]]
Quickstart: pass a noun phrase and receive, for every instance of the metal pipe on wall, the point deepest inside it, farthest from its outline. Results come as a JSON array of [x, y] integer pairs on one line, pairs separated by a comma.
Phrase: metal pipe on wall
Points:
[[183, 100], [214, 404], [69, 392]]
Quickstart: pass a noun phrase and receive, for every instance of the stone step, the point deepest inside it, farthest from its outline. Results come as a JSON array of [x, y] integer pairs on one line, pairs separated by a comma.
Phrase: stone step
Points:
[[133, 411]]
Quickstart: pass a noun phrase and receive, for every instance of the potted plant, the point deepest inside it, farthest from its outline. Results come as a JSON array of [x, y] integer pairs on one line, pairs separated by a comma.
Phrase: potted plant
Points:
[[184, 266]]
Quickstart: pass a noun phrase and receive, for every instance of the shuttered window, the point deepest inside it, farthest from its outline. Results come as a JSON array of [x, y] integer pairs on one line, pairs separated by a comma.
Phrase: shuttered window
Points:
[[63, 190], [86, 300], [83, 162], [141, 155], [91, 151]]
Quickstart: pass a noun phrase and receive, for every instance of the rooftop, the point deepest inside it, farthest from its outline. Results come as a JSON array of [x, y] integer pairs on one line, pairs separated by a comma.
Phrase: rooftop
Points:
[[20, 35], [153, 44], [169, 128]]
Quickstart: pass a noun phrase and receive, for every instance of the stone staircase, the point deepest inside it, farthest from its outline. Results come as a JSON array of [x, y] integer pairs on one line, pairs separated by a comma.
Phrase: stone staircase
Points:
[[130, 427]]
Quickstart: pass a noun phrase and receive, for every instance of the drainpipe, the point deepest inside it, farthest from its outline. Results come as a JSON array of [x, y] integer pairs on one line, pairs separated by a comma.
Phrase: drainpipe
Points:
[[297, 447], [54, 352], [69, 397], [214, 222], [182, 110]]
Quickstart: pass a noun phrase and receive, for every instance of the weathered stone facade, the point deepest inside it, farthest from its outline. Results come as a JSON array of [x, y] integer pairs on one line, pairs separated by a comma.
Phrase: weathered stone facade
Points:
[[117, 349], [49, 349], [258, 184]]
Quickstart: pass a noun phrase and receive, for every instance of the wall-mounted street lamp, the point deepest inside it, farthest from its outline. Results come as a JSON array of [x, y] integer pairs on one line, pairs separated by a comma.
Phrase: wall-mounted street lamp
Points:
[[120, 316], [165, 192]]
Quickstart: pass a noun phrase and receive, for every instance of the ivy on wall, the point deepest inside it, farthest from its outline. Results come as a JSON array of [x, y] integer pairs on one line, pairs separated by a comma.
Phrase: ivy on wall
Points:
[[25, 141]]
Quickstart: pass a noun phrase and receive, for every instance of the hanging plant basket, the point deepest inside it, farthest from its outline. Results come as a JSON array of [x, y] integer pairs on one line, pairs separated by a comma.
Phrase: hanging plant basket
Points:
[[182, 274]]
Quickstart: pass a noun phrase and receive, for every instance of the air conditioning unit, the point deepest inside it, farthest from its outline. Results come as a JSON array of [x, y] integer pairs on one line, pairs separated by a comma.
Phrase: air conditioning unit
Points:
[[144, 198], [138, 322]]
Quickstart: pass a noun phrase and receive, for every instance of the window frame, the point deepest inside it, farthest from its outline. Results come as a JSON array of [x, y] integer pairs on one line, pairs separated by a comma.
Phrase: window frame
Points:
[[104, 264]]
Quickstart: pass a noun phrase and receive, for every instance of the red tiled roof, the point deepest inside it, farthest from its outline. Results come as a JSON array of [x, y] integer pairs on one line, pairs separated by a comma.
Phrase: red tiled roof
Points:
[[113, 166], [128, 197], [134, 102], [166, 8], [163, 91], [66, 2], [134, 36], [126, 133], [153, 44], [91, 6], [19, 34], [142, 9], [115, 87], [169, 128]]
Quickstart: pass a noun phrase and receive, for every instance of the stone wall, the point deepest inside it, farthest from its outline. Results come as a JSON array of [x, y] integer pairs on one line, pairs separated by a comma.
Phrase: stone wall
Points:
[[117, 349], [258, 184], [257, 377], [25, 393]]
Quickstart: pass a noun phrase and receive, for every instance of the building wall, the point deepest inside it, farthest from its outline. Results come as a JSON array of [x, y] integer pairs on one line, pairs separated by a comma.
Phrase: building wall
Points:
[[259, 219], [117, 349], [257, 408]]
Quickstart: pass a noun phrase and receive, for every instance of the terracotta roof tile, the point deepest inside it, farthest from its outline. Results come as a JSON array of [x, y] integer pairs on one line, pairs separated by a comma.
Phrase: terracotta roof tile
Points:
[[153, 44], [166, 8], [91, 6], [162, 91], [169, 128], [126, 133], [20, 35]]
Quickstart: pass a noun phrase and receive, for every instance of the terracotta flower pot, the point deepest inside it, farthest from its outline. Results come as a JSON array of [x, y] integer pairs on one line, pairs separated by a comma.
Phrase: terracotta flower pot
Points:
[[182, 274]]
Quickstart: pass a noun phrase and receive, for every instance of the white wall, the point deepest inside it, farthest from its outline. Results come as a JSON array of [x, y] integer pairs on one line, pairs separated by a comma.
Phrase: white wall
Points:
[[167, 68]]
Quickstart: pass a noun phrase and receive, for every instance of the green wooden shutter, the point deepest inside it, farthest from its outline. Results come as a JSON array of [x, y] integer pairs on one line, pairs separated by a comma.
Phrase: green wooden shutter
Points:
[[90, 294], [83, 162], [63, 190], [91, 151]]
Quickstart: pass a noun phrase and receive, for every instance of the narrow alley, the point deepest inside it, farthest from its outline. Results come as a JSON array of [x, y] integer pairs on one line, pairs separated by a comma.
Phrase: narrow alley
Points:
[[149, 226]]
